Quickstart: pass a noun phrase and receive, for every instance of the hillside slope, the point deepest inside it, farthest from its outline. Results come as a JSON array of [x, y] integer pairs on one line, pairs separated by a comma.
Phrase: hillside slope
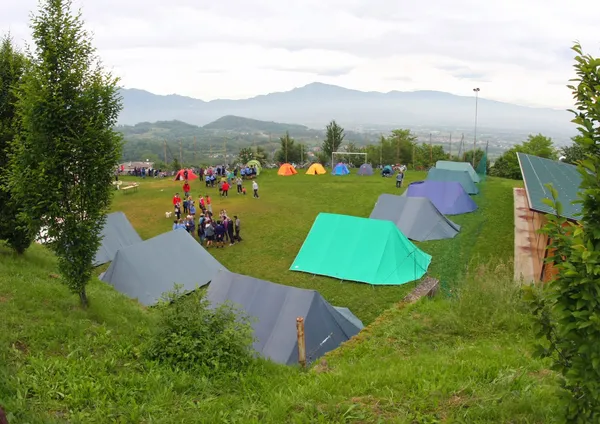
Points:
[[463, 358], [247, 125]]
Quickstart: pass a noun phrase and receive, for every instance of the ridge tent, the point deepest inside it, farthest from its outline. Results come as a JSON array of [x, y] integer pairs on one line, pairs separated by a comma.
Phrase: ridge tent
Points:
[[286, 169], [448, 196], [341, 169], [365, 169], [461, 177], [256, 164], [360, 249], [416, 217], [148, 269], [275, 308], [316, 169], [181, 175], [116, 234], [458, 166]]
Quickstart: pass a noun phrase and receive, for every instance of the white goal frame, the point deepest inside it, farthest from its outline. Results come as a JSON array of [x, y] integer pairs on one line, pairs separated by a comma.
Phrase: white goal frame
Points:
[[346, 153]]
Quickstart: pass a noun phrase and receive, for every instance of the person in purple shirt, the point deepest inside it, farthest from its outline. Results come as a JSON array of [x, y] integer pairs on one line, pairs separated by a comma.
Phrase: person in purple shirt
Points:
[[219, 234]]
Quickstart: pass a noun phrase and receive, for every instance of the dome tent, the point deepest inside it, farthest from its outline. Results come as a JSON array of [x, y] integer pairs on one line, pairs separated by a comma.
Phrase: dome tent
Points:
[[341, 169], [286, 169], [365, 169], [316, 169], [256, 164]]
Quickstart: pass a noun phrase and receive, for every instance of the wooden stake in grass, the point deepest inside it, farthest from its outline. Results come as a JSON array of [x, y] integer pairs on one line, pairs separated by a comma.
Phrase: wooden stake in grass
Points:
[[301, 342]]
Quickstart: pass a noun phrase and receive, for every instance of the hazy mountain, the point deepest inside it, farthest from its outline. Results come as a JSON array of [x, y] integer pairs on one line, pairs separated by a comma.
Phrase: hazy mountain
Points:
[[314, 105]]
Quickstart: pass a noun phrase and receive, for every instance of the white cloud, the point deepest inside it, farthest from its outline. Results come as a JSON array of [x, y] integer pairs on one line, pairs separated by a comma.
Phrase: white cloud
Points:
[[516, 51]]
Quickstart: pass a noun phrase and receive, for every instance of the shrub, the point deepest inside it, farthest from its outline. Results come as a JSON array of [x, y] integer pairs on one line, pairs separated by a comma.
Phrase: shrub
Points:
[[191, 334]]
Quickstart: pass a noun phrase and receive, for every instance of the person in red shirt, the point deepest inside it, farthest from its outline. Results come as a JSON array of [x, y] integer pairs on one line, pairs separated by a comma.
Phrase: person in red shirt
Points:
[[225, 189], [186, 189], [176, 199]]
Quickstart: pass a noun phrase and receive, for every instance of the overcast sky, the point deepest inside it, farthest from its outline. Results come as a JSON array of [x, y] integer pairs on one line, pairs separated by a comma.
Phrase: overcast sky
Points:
[[515, 50]]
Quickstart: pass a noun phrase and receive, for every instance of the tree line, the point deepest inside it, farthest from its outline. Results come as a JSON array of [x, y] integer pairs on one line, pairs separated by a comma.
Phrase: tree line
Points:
[[58, 146], [399, 147]]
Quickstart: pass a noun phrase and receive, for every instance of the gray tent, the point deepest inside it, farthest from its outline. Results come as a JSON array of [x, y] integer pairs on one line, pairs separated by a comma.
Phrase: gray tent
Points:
[[416, 217], [148, 269], [276, 307], [116, 234], [365, 169]]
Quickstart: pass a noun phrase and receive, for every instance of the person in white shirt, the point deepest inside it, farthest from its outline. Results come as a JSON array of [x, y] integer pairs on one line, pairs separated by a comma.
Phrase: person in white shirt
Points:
[[255, 188]]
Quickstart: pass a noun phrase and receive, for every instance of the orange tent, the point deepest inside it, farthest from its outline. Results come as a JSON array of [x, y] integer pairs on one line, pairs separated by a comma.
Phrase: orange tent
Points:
[[286, 169], [181, 175]]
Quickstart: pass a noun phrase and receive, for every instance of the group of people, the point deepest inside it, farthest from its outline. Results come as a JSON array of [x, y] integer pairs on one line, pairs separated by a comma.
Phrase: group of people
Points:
[[209, 230], [197, 217]]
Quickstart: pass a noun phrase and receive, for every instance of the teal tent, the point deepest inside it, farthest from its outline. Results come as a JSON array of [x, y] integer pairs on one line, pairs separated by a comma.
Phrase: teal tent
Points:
[[458, 166], [360, 249]]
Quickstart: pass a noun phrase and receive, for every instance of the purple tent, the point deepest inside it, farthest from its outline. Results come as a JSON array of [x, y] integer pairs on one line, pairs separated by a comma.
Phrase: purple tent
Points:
[[449, 197]]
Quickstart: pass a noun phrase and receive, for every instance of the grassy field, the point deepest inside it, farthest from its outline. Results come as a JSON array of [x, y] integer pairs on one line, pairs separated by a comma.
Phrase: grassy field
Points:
[[460, 358], [275, 226]]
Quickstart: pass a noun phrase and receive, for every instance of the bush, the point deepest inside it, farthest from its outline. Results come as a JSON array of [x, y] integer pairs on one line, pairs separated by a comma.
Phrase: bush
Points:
[[193, 335]]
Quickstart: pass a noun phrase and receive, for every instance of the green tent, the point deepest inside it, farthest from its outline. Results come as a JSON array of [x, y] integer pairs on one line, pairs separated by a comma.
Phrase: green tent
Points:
[[458, 166], [255, 164], [462, 177], [360, 249]]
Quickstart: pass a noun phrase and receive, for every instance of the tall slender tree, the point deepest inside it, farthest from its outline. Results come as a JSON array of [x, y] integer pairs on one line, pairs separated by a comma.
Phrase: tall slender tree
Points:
[[334, 136], [12, 227], [66, 151]]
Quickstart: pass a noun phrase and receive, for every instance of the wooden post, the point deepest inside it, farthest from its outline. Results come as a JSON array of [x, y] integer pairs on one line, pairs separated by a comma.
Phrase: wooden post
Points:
[[165, 147], [225, 149], [195, 150], [301, 342], [180, 155]]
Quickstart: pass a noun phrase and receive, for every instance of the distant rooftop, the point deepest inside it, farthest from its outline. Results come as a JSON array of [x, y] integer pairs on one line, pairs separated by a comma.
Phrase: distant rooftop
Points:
[[537, 172]]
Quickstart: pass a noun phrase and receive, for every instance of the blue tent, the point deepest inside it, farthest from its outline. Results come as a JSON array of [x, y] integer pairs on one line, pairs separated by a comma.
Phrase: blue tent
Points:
[[449, 197], [341, 169]]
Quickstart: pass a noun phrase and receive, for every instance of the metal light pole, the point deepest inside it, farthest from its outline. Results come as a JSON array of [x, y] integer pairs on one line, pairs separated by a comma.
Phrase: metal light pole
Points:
[[476, 90]]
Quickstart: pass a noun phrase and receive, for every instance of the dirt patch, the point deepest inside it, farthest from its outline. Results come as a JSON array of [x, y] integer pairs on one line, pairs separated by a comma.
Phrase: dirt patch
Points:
[[322, 366], [4, 299], [21, 346]]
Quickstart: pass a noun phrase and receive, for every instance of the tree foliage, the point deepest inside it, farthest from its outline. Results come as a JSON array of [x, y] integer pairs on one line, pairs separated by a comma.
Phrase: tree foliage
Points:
[[193, 335], [507, 165], [12, 227], [566, 311], [573, 153], [67, 150], [247, 154], [289, 151], [334, 136]]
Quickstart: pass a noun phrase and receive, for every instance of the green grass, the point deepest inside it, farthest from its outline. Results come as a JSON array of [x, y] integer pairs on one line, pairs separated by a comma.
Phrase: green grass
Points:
[[463, 358], [275, 226]]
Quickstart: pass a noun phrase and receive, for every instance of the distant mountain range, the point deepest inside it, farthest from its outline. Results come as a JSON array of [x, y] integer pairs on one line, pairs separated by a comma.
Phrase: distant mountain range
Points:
[[314, 105]]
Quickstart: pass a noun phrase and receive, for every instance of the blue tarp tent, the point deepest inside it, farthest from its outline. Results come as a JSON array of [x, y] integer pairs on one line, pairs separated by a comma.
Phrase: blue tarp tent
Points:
[[341, 169], [449, 197]]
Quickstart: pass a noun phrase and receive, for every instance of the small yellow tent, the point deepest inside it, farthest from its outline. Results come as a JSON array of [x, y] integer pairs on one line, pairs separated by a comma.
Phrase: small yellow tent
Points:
[[316, 169], [286, 169]]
